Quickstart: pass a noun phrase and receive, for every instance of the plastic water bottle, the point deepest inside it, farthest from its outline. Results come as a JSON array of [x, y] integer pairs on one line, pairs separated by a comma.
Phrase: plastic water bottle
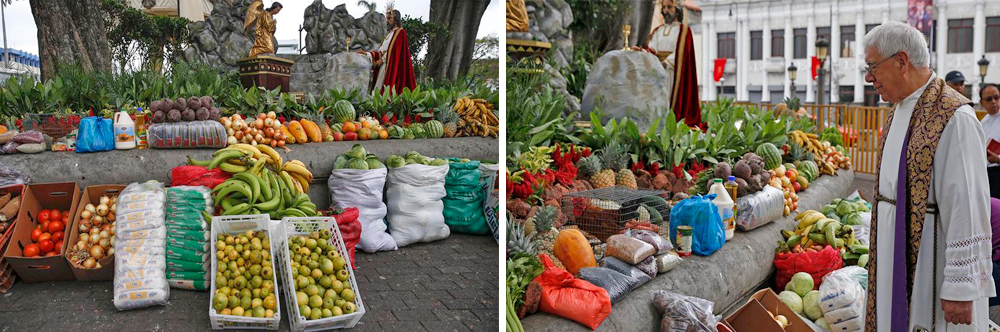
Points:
[[725, 204]]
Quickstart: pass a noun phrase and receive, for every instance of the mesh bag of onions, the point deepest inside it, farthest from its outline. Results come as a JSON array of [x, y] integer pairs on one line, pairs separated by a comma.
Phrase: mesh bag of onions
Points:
[[140, 262]]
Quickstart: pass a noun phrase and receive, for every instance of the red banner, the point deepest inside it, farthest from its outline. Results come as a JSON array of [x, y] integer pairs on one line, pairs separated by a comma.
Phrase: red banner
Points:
[[815, 67], [720, 66]]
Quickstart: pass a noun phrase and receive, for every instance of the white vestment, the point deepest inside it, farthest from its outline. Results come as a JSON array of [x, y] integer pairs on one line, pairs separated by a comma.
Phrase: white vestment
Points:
[[960, 189], [383, 49], [664, 39]]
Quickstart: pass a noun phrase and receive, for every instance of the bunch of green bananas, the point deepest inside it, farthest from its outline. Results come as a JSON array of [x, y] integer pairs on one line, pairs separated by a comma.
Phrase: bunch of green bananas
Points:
[[814, 228]]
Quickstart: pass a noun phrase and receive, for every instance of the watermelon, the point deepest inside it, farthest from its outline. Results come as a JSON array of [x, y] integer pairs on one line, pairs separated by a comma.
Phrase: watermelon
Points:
[[434, 129], [337, 128], [809, 169], [771, 155], [343, 111]]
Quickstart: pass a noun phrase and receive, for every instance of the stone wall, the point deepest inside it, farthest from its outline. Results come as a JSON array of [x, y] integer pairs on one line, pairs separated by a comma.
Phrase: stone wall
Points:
[[549, 22], [316, 73], [220, 40], [327, 29]]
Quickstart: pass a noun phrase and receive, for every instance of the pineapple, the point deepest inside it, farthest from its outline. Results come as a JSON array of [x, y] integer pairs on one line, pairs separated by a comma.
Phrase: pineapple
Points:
[[450, 120], [591, 167], [519, 239], [797, 153], [545, 234], [616, 159]]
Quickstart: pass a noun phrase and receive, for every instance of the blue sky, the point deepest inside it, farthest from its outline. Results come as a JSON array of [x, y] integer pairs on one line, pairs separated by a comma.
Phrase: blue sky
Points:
[[22, 34]]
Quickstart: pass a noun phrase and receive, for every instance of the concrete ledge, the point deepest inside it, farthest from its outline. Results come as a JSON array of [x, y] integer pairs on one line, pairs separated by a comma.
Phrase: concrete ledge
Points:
[[724, 278], [127, 166]]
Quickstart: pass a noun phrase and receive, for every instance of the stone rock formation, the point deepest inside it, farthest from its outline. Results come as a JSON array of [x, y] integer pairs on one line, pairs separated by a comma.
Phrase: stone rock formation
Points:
[[627, 84], [316, 73], [220, 41], [328, 29]]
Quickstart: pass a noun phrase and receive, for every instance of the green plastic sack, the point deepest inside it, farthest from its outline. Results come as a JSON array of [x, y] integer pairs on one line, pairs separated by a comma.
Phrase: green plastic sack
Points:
[[463, 204]]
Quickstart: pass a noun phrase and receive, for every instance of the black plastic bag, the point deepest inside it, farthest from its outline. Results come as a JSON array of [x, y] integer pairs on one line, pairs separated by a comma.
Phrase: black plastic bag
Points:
[[618, 285]]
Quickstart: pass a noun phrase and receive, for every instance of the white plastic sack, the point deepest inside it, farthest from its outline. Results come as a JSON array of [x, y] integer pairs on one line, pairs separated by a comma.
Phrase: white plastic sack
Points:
[[139, 261], [842, 300], [363, 189], [413, 197], [759, 208]]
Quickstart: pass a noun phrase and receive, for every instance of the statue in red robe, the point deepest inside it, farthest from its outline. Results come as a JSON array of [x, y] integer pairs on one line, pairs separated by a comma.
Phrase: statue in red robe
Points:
[[673, 43], [392, 66]]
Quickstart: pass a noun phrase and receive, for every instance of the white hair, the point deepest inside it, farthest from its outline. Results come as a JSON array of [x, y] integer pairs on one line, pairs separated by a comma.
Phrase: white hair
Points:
[[893, 37]]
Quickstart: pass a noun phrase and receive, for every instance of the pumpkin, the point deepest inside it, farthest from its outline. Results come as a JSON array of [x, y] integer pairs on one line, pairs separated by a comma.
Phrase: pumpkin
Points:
[[574, 251], [312, 130], [295, 127]]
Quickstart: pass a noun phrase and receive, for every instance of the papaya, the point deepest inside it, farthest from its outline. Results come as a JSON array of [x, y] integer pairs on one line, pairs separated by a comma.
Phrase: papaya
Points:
[[574, 251], [312, 130], [289, 138], [295, 127]]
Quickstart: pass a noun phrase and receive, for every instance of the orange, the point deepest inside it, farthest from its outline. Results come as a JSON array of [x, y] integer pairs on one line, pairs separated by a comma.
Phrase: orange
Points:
[[366, 124], [365, 134], [383, 134]]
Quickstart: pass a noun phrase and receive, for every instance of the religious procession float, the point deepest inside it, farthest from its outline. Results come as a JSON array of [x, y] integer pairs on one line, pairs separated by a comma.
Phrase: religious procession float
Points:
[[255, 194]]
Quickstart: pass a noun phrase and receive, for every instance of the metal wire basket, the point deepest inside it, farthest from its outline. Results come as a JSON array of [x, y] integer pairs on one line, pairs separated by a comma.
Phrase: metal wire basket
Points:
[[604, 212]]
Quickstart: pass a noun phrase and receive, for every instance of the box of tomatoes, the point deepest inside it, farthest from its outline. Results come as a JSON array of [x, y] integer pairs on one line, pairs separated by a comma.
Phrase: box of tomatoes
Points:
[[38, 242]]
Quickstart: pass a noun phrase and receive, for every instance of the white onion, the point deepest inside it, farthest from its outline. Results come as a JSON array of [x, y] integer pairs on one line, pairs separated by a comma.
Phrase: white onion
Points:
[[111, 251], [104, 234], [96, 252], [105, 200], [105, 243], [86, 214], [89, 263], [102, 210], [91, 208], [84, 237], [81, 245]]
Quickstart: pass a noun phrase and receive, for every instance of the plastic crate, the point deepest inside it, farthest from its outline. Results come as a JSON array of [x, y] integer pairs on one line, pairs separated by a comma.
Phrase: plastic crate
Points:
[[235, 225], [303, 226]]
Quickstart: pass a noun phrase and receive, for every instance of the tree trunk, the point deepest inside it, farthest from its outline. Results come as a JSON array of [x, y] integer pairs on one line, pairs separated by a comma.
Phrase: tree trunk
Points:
[[71, 31], [641, 19], [449, 57]]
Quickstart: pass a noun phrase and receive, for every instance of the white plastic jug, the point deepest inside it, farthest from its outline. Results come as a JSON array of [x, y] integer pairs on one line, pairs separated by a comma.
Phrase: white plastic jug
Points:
[[124, 131], [725, 204]]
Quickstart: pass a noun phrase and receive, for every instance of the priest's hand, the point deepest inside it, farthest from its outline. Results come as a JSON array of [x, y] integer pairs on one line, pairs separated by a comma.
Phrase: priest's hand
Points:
[[637, 48], [957, 312], [992, 157], [378, 62]]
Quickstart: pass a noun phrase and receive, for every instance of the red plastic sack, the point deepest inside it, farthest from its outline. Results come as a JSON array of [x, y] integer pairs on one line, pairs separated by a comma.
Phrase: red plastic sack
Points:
[[197, 176], [817, 264], [572, 298], [350, 230]]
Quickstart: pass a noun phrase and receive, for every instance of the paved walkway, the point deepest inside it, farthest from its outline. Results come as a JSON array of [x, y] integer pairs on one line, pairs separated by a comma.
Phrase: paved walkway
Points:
[[449, 285]]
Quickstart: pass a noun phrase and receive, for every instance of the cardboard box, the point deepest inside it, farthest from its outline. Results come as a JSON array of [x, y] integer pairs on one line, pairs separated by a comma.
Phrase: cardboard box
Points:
[[18, 191], [61, 196], [92, 195], [753, 316]]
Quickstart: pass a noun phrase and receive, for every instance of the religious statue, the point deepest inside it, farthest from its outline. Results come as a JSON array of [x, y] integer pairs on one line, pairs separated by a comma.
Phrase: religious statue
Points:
[[672, 43], [517, 16], [391, 64], [263, 23]]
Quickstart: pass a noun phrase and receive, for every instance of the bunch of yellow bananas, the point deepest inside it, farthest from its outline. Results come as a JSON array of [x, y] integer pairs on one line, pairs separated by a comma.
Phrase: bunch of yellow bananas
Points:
[[477, 119], [826, 156]]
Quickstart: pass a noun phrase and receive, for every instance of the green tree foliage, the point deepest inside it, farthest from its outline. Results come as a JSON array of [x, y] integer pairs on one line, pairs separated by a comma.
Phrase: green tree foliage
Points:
[[141, 41]]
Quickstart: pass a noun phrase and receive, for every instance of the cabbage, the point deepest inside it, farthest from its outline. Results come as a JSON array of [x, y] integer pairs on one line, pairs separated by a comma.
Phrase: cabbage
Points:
[[395, 161], [792, 300], [801, 284], [821, 322], [829, 209], [357, 151], [438, 162], [810, 305], [852, 219], [844, 208]]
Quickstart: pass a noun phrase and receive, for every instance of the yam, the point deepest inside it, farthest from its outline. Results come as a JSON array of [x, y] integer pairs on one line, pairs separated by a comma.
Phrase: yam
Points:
[[5, 198], [194, 103], [9, 210]]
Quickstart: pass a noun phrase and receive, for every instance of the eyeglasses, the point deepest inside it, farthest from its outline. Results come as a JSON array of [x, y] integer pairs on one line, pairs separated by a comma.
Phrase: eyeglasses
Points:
[[870, 69], [991, 99]]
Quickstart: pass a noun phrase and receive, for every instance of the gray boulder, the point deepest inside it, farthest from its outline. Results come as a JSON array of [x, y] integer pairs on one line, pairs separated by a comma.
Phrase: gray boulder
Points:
[[316, 73], [627, 84], [548, 21], [220, 41], [328, 29]]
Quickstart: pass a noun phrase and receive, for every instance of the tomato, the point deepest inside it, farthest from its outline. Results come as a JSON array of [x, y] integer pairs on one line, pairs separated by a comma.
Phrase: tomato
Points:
[[43, 216], [44, 226], [51, 253], [56, 226], [55, 215], [46, 245], [45, 236], [30, 250], [35, 234], [57, 236], [58, 247], [66, 217]]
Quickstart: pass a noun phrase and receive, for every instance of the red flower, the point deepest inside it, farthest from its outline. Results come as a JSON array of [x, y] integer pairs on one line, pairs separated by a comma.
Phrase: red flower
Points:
[[394, 119], [565, 174], [586, 152], [637, 166], [579, 205], [416, 118], [281, 118], [653, 169], [385, 118], [679, 171]]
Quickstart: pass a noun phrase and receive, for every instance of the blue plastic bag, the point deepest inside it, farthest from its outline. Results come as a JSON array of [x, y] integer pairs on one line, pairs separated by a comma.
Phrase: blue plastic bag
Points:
[[95, 134], [702, 215]]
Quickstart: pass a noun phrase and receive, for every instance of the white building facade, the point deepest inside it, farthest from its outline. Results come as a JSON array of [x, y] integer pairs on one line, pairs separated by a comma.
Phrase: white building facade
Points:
[[761, 39]]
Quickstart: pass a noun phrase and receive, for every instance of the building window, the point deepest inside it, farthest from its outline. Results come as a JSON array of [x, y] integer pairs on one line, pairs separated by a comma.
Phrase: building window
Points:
[[960, 36], [847, 41], [799, 45], [993, 34], [823, 32], [846, 94], [869, 27], [777, 43], [756, 45], [871, 96], [727, 45]]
